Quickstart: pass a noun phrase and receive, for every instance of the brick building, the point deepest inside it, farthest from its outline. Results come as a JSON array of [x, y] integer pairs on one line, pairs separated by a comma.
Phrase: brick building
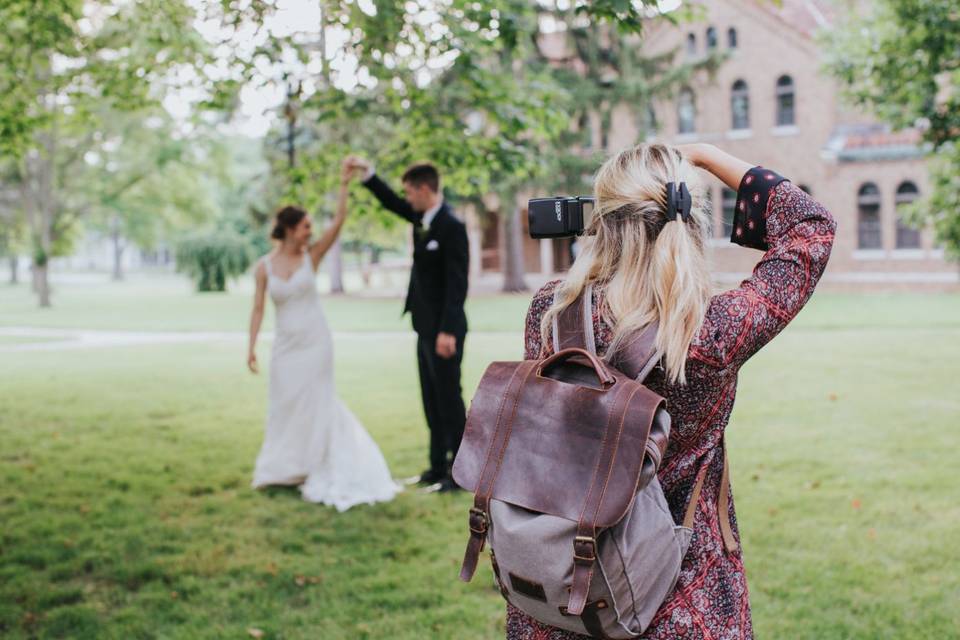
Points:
[[771, 103]]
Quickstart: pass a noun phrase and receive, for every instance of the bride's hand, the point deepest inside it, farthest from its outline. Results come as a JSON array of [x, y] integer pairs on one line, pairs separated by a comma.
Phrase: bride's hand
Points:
[[252, 362], [347, 171]]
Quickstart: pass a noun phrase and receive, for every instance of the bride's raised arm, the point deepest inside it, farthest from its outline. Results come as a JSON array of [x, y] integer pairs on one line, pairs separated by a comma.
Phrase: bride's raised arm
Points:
[[319, 248]]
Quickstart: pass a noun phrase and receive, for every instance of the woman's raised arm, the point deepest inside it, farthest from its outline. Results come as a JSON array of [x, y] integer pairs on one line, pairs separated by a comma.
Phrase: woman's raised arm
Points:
[[796, 233], [319, 248]]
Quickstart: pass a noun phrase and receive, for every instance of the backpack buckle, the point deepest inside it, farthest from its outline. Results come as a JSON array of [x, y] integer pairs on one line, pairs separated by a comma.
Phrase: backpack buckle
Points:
[[584, 549], [478, 521]]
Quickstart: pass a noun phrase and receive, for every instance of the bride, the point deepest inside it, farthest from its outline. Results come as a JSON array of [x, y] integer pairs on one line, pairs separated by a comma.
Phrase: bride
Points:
[[311, 438]]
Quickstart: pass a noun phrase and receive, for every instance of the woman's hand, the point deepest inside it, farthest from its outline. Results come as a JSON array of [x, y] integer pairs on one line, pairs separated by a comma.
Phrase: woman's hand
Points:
[[727, 168], [252, 362], [695, 153], [347, 171]]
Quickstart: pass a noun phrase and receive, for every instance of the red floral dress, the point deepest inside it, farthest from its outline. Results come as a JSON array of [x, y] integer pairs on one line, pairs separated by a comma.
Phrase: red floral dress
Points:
[[710, 599]]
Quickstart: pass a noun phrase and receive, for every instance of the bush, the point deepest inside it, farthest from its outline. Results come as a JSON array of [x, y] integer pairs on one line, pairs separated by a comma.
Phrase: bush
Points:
[[212, 257]]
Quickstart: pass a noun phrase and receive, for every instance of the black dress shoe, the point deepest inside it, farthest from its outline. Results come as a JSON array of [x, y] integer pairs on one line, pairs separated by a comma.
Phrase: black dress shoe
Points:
[[430, 476], [448, 484]]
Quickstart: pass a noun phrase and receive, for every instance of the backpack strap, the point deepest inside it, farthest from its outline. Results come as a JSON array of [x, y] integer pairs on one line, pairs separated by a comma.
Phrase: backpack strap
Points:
[[585, 542], [573, 326], [723, 504], [480, 513]]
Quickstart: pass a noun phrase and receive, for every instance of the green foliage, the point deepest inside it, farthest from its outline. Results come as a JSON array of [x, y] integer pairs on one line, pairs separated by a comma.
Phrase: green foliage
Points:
[[900, 61], [210, 258]]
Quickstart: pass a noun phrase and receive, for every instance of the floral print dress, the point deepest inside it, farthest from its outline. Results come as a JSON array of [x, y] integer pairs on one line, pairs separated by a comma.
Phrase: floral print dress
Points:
[[710, 600]]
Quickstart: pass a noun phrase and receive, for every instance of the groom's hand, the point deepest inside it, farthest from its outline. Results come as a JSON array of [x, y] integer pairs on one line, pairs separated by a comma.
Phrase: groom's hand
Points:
[[446, 345]]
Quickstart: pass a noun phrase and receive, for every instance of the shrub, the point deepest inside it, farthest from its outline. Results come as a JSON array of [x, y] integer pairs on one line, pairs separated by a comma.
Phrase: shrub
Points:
[[209, 258]]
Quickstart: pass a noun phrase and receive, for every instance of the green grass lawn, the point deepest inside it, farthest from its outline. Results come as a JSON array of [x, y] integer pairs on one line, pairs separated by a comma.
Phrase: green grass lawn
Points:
[[126, 511]]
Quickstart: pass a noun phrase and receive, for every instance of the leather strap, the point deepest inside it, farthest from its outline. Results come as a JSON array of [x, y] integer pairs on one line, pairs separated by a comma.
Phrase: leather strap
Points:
[[585, 543], [575, 320], [639, 355], [723, 505], [480, 513]]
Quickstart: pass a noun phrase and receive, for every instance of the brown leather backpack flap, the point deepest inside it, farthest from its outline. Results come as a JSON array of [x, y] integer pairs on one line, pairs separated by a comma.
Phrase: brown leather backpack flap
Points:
[[557, 448]]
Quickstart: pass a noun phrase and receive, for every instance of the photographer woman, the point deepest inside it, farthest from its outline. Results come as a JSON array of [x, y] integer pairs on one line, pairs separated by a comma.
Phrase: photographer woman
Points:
[[647, 266]]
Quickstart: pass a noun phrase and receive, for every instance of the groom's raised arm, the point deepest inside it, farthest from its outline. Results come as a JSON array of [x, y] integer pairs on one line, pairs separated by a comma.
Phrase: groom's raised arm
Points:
[[389, 199]]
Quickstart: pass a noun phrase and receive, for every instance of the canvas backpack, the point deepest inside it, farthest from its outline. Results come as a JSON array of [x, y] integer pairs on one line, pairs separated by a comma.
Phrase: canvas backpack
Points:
[[562, 456]]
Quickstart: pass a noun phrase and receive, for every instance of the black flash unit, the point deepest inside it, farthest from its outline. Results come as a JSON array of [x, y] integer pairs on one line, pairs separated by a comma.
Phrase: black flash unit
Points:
[[558, 217]]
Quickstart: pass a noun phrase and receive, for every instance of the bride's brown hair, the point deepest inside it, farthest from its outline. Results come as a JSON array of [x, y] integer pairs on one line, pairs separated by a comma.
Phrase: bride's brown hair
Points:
[[286, 218]]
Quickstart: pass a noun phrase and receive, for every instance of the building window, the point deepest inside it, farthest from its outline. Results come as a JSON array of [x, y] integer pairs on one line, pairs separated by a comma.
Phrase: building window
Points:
[[740, 105], [691, 45], [686, 111], [869, 233], [732, 38], [728, 202], [805, 189], [648, 123], [907, 236], [586, 135], [711, 39], [786, 109]]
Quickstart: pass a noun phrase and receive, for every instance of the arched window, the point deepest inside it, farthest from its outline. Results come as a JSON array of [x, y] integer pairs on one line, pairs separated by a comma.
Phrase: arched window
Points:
[[869, 233], [732, 38], [740, 105], [686, 111], [786, 109], [728, 200], [691, 45], [907, 236], [711, 38]]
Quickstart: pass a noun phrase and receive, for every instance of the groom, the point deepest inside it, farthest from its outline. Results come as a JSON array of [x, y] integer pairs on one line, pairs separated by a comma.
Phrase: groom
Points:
[[435, 297]]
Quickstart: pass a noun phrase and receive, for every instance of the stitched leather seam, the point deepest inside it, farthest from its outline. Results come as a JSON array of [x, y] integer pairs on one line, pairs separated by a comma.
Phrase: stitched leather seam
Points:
[[506, 437], [496, 431], [613, 455], [596, 469]]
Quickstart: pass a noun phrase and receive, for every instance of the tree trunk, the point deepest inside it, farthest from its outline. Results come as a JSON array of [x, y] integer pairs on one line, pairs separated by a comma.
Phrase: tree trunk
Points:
[[335, 256], [14, 274], [118, 248], [42, 284], [513, 280]]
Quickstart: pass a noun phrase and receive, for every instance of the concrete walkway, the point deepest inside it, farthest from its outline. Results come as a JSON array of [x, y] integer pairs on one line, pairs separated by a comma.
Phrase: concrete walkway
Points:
[[51, 339]]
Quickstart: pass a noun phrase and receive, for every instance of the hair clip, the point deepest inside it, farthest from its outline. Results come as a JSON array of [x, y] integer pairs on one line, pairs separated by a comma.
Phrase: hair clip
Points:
[[678, 201]]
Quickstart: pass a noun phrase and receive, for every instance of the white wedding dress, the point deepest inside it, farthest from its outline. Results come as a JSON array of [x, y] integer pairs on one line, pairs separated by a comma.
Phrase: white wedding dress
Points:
[[312, 439]]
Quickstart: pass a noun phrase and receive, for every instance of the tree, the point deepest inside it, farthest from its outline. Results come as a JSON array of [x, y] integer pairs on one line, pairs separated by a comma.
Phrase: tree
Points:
[[12, 228], [901, 61], [146, 179], [67, 65]]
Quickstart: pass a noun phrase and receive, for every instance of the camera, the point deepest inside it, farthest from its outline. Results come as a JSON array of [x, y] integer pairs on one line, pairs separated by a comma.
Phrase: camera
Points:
[[558, 217]]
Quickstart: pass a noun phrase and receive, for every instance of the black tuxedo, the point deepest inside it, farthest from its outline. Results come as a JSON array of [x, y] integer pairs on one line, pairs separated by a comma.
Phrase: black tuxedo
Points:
[[435, 298]]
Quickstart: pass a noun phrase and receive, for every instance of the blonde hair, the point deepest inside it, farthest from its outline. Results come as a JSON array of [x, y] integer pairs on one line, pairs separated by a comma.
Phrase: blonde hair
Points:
[[651, 264]]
